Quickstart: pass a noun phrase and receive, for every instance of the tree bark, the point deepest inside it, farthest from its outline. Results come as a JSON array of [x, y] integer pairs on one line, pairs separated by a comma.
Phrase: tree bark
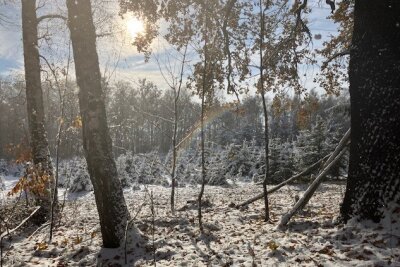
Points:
[[374, 170], [35, 110], [34, 96], [97, 145]]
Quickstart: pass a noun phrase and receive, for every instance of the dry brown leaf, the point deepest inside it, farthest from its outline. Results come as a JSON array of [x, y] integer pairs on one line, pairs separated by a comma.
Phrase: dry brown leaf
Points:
[[41, 246]]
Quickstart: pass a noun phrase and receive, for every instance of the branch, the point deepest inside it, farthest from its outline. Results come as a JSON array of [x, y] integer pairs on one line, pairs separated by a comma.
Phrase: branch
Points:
[[46, 61], [332, 4], [22, 223], [104, 34], [299, 20], [339, 54], [50, 16], [152, 115], [13, 230], [181, 74]]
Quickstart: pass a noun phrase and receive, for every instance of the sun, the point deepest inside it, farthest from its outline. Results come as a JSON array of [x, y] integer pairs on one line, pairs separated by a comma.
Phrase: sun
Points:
[[134, 27]]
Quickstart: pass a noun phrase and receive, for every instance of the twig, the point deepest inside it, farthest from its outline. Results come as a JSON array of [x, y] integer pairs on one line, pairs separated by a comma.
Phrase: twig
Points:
[[127, 226], [37, 230], [339, 54], [51, 16]]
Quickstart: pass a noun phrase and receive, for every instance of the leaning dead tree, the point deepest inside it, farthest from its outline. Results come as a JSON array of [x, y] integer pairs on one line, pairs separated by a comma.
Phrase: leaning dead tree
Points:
[[279, 186], [333, 159], [340, 147]]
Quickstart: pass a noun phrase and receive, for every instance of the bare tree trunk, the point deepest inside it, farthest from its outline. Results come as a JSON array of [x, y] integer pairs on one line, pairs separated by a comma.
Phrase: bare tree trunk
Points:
[[174, 152], [59, 137], [203, 158], [34, 96], [97, 145], [266, 137], [177, 92]]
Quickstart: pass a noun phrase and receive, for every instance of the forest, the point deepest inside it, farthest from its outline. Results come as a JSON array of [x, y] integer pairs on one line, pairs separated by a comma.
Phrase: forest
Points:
[[199, 133]]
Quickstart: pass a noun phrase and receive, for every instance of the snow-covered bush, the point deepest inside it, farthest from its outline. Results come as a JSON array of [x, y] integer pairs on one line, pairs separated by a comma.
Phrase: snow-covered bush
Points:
[[245, 162], [281, 160], [312, 145], [141, 169], [216, 167], [234, 163], [11, 169], [73, 174], [125, 166], [132, 169], [188, 170]]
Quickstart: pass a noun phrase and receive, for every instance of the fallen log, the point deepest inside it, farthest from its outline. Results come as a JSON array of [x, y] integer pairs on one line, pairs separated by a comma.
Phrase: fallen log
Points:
[[342, 143], [277, 187], [333, 159], [309, 192]]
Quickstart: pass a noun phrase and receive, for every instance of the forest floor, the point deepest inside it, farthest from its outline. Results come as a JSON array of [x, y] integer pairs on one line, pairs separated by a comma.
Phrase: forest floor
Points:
[[232, 237]]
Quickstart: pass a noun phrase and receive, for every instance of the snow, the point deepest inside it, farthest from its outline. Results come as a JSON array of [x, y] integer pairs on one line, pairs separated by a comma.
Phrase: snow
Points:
[[232, 237], [10, 181]]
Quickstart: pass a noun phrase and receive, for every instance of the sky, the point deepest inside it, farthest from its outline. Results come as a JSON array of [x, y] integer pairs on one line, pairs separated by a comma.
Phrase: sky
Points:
[[119, 60]]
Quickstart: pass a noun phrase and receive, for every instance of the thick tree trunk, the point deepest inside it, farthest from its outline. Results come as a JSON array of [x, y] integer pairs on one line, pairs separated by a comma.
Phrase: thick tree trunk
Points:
[[374, 171], [34, 102], [34, 96], [97, 145]]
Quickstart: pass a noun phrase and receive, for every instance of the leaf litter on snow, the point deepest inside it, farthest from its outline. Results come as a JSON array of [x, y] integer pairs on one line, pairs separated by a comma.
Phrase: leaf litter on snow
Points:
[[232, 237]]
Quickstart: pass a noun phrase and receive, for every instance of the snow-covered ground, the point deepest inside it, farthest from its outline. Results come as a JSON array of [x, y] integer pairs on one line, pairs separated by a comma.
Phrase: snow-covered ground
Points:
[[9, 182], [6, 183], [232, 237]]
